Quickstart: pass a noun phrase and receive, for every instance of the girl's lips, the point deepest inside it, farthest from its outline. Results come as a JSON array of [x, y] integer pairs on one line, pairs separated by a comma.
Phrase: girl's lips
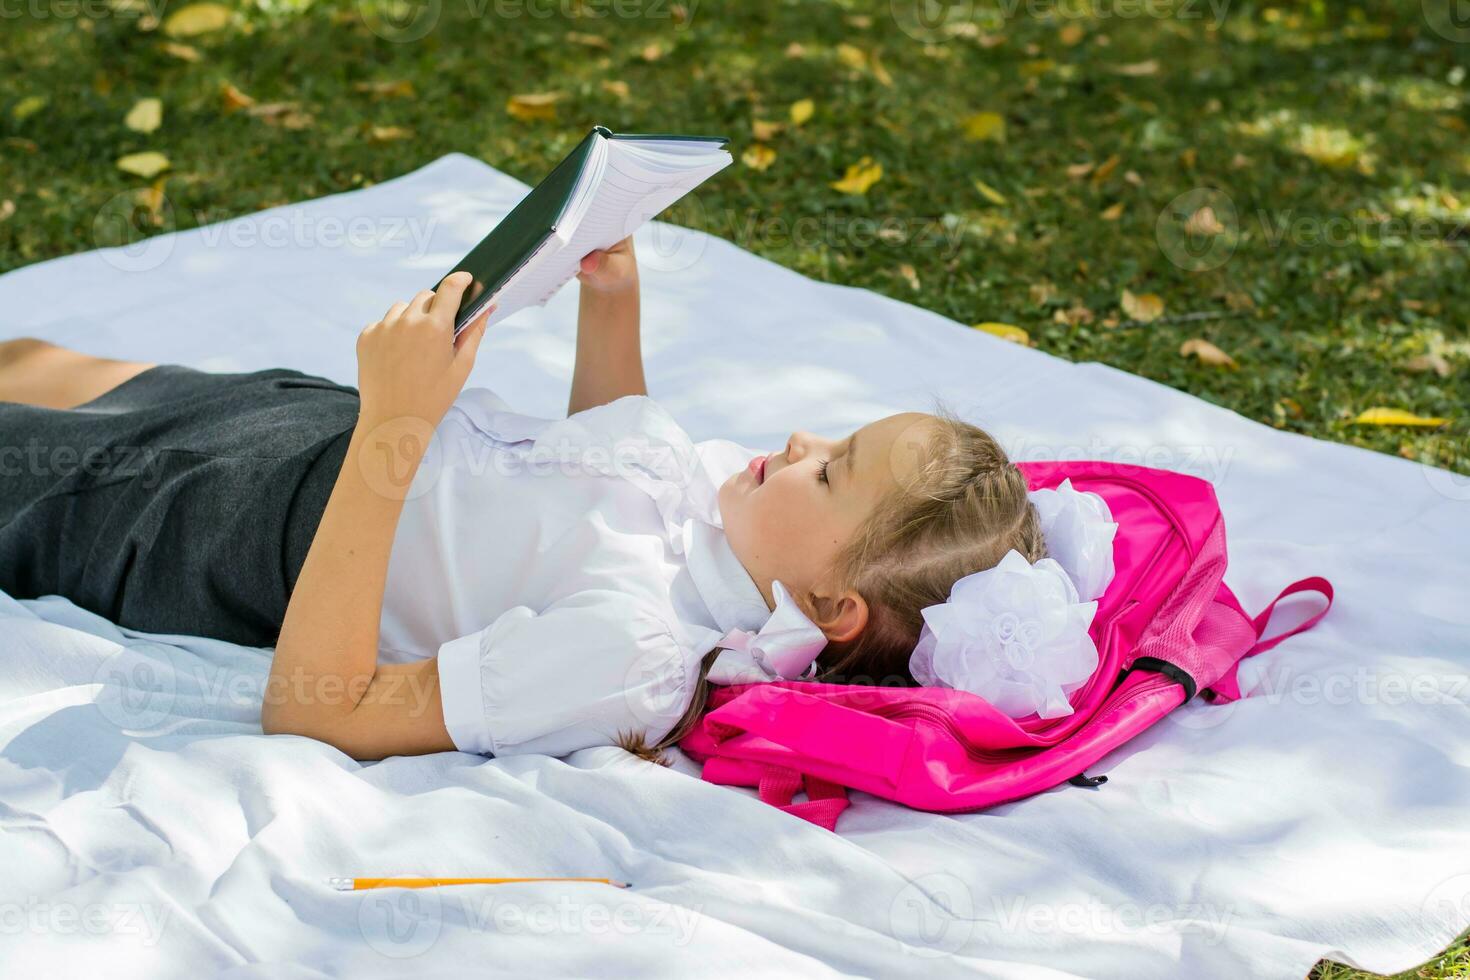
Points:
[[758, 468]]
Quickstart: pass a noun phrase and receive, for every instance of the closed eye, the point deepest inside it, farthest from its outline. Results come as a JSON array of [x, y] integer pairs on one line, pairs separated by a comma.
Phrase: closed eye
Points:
[[822, 472]]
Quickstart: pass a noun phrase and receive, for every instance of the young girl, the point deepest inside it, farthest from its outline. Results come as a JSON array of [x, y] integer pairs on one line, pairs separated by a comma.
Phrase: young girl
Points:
[[436, 571]]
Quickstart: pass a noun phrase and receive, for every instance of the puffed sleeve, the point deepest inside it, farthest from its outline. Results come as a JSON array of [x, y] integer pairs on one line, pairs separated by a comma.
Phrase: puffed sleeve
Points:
[[574, 675]]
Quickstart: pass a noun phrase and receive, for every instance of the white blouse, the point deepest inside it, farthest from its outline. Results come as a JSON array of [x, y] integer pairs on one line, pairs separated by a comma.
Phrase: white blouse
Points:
[[569, 574]]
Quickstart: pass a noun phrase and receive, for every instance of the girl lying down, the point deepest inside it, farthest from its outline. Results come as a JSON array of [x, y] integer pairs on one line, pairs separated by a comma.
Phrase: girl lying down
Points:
[[513, 584]]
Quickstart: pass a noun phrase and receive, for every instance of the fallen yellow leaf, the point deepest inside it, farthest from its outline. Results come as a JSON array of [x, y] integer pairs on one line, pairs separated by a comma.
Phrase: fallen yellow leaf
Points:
[[234, 99], [1105, 169], [652, 52], [1071, 35], [1203, 223], [28, 107], [984, 126], [146, 165], [146, 116], [758, 156], [879, 72], [620, 89], [763, 130], [7, 210], [1079, 170], [1112, 213], [910, 275], [531, 106], [801, 111], [1145, 309], [183, 52], [196, 19], [1395, 416], [1429, 362], [1138, 69], [588, 40], [286, 115], [383, 90], [990, 193], [1006, 331], [852, 57], [859, 177], [387, 134], [1207, 353]]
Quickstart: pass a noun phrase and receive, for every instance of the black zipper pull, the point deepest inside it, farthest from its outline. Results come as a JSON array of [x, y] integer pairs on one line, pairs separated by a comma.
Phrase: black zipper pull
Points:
[[1082, 779]]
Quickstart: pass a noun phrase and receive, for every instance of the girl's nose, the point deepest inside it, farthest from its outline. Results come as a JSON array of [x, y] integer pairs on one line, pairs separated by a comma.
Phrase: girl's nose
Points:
[[796, 446]]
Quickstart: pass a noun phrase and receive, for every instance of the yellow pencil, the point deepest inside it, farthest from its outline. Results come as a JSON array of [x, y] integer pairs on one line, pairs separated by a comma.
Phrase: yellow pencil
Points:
[[358, 884]]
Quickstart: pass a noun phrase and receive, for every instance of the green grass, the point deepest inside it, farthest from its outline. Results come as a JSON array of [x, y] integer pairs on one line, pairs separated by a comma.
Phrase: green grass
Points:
[[1335, 118]]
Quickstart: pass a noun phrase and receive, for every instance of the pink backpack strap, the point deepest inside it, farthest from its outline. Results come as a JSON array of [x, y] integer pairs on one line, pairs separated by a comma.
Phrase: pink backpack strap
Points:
[[1227, 688], [825, 801]]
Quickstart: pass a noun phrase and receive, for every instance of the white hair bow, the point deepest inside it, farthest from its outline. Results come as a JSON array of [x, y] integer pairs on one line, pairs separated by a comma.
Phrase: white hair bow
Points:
[[784, 649], [1017, 634]]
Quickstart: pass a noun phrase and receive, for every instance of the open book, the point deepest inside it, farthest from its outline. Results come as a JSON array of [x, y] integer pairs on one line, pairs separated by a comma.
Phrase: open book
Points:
[[607, 187]]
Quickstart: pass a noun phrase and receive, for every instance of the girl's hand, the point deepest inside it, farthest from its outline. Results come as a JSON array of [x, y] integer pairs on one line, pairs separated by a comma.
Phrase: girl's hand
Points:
[[410, 366], [610, 270]]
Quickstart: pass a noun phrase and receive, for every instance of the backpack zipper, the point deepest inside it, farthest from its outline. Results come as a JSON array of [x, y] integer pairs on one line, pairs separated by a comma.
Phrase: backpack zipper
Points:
[[1147, 687]]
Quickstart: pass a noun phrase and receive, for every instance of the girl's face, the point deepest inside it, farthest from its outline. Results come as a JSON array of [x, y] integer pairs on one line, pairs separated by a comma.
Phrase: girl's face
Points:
[[787, 515]]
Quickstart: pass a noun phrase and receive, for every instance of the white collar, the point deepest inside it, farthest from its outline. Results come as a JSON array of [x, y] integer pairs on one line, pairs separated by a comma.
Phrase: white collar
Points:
[[760, 644], [728, 591]]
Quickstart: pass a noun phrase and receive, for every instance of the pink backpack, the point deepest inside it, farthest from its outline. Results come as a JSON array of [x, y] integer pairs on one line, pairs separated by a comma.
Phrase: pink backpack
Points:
[[1166, 628]]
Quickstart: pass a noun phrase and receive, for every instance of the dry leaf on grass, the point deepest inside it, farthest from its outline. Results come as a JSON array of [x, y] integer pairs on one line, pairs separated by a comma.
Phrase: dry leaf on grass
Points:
[[985, 126], [801, 111], [197, 19], [1207, 353], [531, 106], [145, 116], [1006, 331], [146, 165], [859, 177], [1396, 416], [1145, 308], [758, 156]]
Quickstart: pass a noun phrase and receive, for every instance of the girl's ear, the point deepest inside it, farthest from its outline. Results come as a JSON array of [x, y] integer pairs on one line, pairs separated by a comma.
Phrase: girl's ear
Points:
[[842, 617]]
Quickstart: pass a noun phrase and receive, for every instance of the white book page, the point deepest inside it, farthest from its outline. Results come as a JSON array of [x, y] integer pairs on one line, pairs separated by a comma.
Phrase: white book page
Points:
[[632, 186]]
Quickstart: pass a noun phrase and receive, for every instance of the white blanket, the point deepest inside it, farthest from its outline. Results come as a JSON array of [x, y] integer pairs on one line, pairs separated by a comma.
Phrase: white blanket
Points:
[[151, 830]]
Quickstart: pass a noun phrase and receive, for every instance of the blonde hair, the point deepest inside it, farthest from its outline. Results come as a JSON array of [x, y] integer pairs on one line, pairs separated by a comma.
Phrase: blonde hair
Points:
[[963, 508]]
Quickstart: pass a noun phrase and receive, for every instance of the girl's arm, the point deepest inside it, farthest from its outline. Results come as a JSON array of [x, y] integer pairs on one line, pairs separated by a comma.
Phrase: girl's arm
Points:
[[325, 681], [609, 355]]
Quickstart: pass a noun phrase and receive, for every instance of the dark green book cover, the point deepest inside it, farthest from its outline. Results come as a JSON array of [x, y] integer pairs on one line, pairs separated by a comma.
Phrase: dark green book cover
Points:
[[535, 219]]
